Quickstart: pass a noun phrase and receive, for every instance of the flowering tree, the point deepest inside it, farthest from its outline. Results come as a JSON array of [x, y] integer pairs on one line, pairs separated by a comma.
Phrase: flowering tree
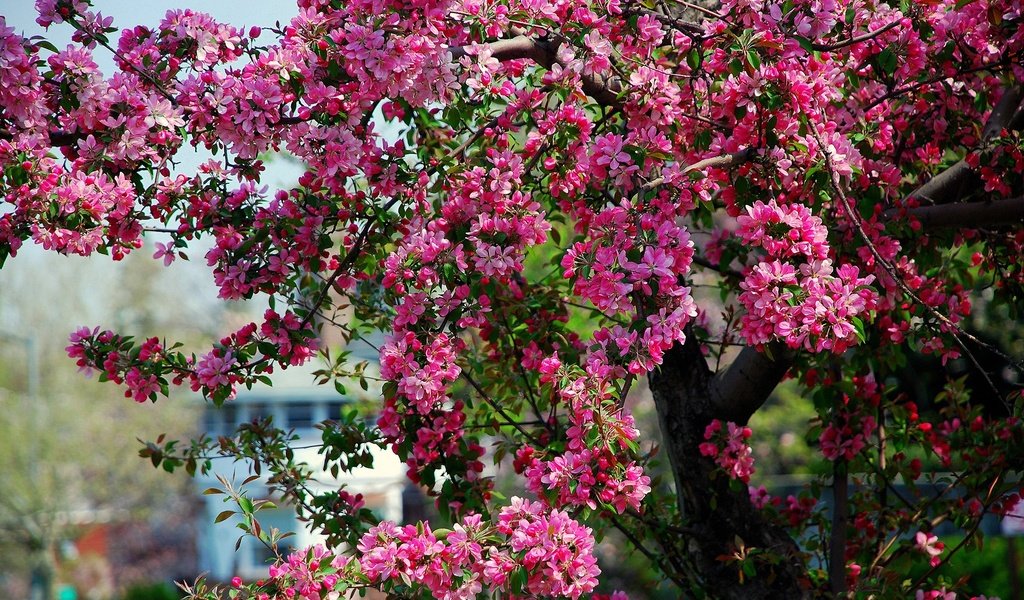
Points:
[[526, 194]]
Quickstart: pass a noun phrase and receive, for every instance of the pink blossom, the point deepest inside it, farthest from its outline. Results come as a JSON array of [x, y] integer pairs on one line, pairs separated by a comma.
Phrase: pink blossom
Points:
[[214, 368], [729, 449], [930, 545]]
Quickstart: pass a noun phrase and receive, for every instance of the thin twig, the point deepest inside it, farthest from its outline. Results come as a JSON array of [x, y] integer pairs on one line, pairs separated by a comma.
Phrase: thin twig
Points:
[[508, 419], [699, 9], [724, 161], [856, 40], [955, 329]]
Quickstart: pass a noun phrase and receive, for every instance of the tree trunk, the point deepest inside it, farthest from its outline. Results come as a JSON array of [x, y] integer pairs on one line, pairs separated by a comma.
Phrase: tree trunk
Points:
[[724, 521], [42, 576]]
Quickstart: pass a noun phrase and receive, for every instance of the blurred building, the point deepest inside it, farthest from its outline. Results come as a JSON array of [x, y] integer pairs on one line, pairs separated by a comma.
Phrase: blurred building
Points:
[[294, 402]]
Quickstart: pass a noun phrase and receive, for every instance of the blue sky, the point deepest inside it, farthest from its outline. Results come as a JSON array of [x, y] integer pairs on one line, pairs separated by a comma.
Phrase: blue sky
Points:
[[21, 13], [127, 13]]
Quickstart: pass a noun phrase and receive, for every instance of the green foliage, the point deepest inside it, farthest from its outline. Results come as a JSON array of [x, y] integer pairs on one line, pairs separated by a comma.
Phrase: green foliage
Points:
[[151, 591], [986, 568], [779, 441]]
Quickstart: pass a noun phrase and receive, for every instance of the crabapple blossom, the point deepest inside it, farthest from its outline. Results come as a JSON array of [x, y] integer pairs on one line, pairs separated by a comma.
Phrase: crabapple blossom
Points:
[[728, 447], [930, 545]]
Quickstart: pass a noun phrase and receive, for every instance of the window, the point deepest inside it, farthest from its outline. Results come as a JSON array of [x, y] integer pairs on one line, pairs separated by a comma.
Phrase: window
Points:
[[211, 421], [229, 417], [260, 411], [334, 410], [300, 415], [219, 421]]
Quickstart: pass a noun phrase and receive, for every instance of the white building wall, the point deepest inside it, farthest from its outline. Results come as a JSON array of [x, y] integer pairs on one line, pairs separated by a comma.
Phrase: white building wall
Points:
[[217, 555]]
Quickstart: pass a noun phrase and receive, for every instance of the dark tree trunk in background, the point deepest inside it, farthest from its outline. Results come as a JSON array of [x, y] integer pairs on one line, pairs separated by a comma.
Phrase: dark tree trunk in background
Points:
[[688, 396]]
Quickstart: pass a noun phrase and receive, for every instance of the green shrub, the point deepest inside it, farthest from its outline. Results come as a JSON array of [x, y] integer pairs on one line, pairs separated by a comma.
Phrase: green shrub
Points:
[[151, 591]]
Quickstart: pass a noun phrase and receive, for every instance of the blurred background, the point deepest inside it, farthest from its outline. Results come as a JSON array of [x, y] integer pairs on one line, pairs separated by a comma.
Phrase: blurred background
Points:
[[81, 515]]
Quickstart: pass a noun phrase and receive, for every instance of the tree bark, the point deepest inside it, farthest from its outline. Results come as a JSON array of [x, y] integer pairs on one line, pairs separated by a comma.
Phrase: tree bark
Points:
[[544, 51], [744, 386], [960, 180], [721, 518], [965, 215]]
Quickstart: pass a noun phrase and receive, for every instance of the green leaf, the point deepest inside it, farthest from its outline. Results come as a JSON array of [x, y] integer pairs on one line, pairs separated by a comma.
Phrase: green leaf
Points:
[[45, 45], [858, 325], [518, 580], [887, 61], [754, 59], [223, 516], [694, 59], [749, 569], [804, 43]]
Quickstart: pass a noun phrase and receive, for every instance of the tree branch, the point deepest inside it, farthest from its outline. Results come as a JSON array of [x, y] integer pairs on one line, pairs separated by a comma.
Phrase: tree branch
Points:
[[57, 138], [950, 185], [993, 67], [837, 537], [738, 390], [681, 389], [673, 22], [704, 10], [855, 40], [544, 52], [684, 376], [519, 47], [965, 215], [723, 161], [68, 138], [719, 268]]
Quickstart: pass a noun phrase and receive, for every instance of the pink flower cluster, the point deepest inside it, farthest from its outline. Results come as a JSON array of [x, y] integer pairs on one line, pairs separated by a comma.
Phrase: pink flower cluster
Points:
[[597, 466], [502, 220], [310, 574], [630, 253], [213, 370], [440, 224], [259, 253], [555, 551], [846, 436], [423, 405], [794, 294], [145, 369], [944, 594], [71, 212], [728, 447], [295, 339], [20, 81], [794, 510], [481, 232]]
